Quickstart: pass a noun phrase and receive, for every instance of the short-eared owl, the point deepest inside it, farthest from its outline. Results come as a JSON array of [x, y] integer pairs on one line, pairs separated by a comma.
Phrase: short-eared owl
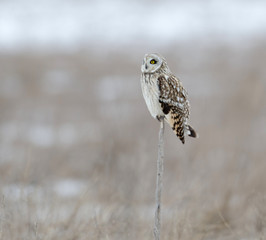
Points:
[[165, 96]]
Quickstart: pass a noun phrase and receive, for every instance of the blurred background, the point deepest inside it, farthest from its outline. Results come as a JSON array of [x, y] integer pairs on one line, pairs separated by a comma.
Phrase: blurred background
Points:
[[78, 147]]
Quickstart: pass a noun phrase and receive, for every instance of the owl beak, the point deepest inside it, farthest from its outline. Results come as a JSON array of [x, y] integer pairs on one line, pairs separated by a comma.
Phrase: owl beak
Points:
[[146, 66]]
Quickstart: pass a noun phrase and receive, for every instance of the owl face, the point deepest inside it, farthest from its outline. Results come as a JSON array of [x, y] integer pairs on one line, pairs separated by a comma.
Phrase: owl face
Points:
[[151, 63]]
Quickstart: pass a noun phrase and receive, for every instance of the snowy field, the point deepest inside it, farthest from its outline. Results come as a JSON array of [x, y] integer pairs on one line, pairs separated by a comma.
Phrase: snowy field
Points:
[[78, 147], [68, 24]]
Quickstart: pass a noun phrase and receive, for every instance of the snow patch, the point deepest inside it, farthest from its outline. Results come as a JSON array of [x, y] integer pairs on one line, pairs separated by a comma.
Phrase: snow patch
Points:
[[41, 135], [69, 188]]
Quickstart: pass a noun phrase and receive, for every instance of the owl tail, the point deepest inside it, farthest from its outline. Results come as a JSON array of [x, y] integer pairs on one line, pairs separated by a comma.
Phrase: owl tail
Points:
[[189, 130], [180, 127]]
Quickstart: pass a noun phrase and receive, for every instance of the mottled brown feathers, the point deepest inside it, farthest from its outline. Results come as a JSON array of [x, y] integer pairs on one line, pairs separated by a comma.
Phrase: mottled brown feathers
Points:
[[173, 99]]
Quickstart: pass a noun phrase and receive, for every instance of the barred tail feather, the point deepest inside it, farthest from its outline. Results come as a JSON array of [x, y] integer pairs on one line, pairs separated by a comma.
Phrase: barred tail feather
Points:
[[175, 120], [179, 126]]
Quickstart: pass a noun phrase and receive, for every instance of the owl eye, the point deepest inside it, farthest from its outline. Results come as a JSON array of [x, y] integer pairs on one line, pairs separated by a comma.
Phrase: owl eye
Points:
[[153, 61]]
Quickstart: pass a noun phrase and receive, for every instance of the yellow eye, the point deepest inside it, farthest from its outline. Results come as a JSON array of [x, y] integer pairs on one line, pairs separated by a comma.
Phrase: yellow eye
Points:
[[153, 61]]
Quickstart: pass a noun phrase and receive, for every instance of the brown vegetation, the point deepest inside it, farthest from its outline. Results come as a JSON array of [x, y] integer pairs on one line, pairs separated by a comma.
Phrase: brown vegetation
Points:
[[81, 116]]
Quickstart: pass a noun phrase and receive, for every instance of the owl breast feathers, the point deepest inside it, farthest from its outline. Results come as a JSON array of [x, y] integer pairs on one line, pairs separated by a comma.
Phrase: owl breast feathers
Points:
[[165, 96]]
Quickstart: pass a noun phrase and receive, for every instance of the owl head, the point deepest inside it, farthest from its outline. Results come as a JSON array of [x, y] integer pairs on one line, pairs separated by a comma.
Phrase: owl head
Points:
[[152, 62]]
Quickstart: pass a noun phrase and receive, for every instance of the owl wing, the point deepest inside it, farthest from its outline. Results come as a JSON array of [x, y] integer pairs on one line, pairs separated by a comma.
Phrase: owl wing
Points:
[[174, 103], [172, 95]]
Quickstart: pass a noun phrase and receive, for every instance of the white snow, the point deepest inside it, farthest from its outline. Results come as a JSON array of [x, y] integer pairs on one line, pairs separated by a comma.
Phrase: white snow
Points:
[[41, 135], [68, 24], [20, 191], [45, 135], [69, 187], [63, 188]]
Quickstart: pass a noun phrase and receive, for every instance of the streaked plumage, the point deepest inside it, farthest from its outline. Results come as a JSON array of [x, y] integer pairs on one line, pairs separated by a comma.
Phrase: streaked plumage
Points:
[[165, 95]]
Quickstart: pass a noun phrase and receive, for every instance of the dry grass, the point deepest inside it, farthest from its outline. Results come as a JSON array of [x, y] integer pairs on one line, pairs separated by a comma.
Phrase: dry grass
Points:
[[88, 119]]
